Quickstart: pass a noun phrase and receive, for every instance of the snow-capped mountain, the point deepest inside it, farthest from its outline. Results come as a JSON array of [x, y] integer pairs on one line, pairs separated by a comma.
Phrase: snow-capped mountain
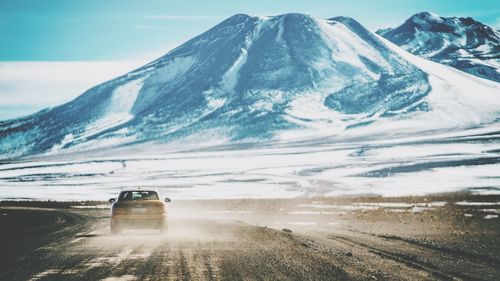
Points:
[[252, 78], [463, 43]]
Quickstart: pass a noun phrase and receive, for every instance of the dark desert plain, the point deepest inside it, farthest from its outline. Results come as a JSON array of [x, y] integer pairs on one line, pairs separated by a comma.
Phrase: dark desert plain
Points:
[[453, 236]]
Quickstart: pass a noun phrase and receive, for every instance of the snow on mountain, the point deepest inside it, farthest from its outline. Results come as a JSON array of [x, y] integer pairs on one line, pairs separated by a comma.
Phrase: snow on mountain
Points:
[[256, 78], [463, 43]]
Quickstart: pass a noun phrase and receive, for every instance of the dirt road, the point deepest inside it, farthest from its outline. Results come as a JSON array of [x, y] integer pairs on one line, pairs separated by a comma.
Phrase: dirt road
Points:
[[220, 240]]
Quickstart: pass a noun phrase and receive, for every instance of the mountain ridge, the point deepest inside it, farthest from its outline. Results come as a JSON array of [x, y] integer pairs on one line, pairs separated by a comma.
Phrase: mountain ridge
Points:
[[460, 42], [247, 78]]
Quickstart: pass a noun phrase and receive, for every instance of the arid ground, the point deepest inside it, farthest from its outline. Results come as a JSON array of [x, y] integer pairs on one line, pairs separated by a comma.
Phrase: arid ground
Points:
[[439, 237]]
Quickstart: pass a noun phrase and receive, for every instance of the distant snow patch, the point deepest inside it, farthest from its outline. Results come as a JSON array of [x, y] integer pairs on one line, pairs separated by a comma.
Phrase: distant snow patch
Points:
[[119, 110], [117, 113], [468, 203], [173, 69], [488, 217], [230, 78], [348, 45]]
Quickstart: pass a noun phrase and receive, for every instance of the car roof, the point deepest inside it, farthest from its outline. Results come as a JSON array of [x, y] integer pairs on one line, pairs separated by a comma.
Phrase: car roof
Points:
[[155, 189]]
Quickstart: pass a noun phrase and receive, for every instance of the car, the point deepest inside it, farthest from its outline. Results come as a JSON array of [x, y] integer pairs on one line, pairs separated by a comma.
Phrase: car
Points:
[[138, 208]]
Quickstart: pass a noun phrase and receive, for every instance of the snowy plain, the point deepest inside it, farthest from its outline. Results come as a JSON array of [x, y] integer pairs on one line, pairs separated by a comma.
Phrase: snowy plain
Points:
[[446, 162]]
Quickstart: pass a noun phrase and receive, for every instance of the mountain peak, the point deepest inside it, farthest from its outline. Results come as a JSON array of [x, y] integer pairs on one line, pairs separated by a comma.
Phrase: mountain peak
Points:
[[293, 15], [243, 17], [431, 22], [425, 16], [463, 43], [343, 19], [236, 18]]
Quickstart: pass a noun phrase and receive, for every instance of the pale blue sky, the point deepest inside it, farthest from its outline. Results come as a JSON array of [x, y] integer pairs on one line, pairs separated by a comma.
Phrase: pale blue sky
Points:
[[54, 30]]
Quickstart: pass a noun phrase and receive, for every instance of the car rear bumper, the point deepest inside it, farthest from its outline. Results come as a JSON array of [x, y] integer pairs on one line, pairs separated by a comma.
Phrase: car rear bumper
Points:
[[139, 217], [129, 221]]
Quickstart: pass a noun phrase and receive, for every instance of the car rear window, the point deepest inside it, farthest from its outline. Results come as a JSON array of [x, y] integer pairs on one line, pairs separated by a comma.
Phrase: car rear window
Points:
[[138, 195]]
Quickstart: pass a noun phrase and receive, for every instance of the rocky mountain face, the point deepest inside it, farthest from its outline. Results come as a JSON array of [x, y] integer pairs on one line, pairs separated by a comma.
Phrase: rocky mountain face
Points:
[[463, 43]]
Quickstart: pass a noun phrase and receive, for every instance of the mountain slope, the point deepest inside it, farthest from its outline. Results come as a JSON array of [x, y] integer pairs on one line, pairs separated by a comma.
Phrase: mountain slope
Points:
[[463, 43], [253, 78]]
